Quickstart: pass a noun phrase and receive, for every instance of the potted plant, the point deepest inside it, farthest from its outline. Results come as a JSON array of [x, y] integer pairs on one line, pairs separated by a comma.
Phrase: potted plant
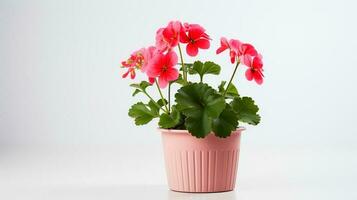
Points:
[[200, 128]]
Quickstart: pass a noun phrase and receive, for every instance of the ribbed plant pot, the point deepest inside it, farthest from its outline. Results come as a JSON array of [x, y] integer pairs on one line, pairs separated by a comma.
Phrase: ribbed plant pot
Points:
[[201, 165]]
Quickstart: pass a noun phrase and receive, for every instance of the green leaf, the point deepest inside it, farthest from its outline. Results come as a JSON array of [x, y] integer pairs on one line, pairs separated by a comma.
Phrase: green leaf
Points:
[[161, 102], [181, 124], [199, 127], [155, 108], [200, 104], [190, 69], [170, 120], [136, 91], [246, 110], [140, 87], [225, 123], [205, 68], [231, 92], [142, 113]]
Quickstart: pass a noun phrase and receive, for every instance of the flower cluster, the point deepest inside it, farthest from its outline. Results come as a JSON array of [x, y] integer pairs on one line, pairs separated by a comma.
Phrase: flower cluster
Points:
[[246, 54], [159, 61]]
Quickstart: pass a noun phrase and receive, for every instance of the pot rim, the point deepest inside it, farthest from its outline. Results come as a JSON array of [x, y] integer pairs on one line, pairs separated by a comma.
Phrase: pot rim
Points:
[[240, 129]]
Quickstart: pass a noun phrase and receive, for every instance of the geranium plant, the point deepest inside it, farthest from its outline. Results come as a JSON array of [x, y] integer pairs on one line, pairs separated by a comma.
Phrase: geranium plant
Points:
[[198, 107]]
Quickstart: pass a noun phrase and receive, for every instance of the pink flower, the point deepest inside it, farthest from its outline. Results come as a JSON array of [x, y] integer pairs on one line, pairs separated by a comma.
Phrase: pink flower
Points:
[[255, 68], [236, 49], [138, 60], [168, 37], [247, 55], [172, 33], [196, 38], [162, 66], [135, 61], [232, 45]]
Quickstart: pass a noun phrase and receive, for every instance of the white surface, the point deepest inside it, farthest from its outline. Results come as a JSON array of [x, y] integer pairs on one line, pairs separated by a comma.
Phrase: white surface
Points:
[[64, 129], [162, 193], [109, 172]]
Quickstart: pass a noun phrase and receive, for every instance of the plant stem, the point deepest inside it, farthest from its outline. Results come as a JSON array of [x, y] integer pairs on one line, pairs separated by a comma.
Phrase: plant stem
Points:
[[168, 97], [184, 70], [230, 81], [162, 96], [154, 101]]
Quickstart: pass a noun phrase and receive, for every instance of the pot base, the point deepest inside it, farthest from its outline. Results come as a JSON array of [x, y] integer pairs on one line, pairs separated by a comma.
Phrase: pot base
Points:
[[201, 192]]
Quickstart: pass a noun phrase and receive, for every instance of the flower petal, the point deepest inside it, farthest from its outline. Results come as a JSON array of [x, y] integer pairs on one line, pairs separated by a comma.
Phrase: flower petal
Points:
[[155, 66], [171, 59], [232, 55], [177, 26], [248, 49], [149, 53], [167, 33], [171, 74], [163, 82], [153, 71], [183, 36], [224, 42], [257, 62], [235, 44], [191, 49], [224, 45], [202, 43], [258, 77], [221, 49], [249, 74], [125, 64], [246, 60], [125, 74], [171, 33], [195, 32], [132, 74], [151, 80], [161, 44]]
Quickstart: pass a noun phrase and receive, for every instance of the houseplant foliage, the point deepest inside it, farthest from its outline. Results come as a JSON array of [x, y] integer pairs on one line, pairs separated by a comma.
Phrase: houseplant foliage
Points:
[[197, 107]]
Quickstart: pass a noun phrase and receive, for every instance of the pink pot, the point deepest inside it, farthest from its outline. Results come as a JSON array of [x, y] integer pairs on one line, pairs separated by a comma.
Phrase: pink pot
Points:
[[201, 165]]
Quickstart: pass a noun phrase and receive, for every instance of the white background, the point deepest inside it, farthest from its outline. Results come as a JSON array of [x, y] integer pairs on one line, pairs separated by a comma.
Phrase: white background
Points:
[[64, 127]]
